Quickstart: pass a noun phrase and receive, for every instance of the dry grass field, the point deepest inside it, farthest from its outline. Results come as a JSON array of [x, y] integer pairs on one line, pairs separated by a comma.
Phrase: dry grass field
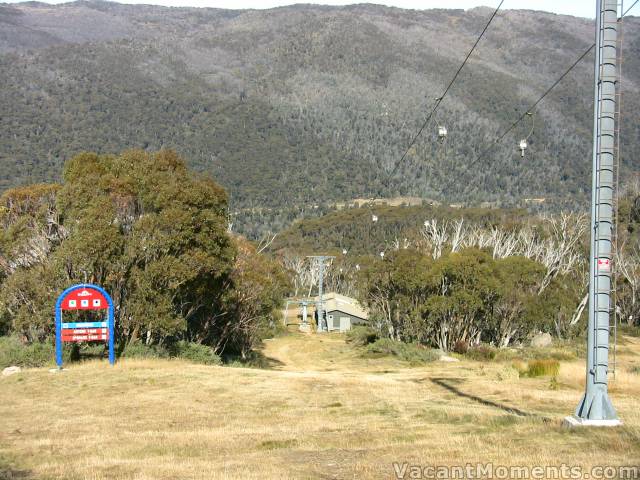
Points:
[[320, 411]]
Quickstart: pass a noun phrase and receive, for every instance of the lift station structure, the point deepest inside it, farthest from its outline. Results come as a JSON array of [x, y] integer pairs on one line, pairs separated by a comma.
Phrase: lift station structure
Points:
[[320, 261]]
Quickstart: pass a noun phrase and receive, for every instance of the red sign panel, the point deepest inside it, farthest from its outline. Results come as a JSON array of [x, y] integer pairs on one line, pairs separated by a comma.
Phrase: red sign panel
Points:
[[85, 338], [83, 331], [84, 334], [604, 264], [85, 299]]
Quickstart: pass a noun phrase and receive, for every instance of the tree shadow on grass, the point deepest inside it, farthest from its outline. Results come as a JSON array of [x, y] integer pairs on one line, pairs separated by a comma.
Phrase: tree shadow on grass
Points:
[[255, 360], [9, 472], [449, 385], [12, 474], [271, 363]]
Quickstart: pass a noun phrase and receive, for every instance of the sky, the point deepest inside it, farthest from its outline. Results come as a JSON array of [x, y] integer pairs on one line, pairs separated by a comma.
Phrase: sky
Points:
[[578, 8]]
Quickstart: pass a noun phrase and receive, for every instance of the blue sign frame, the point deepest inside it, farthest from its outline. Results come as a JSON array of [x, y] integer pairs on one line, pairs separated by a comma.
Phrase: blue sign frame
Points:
[[59, 326]]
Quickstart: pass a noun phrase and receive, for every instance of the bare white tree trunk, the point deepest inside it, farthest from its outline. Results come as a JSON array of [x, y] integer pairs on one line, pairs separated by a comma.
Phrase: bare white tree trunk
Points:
[[579, 309], [458, 236], [436, 237]]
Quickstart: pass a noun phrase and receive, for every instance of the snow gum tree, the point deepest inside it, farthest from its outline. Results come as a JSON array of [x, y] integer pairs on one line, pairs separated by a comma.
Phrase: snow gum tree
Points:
[[143, 226]]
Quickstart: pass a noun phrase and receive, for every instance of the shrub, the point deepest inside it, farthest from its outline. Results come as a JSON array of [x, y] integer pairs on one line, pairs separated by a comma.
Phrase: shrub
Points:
[[140, 350], [635, 369], [408, 352], [193, 352], [38, 354], [196, 353], [461, 347], [362, 336], [92, 350], [543, 368], [14, 352], [482, 352], [507, 354], [629, 330]]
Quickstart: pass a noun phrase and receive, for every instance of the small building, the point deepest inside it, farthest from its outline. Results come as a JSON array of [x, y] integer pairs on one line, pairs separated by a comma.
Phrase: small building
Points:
[[534, 201], [343, 312]]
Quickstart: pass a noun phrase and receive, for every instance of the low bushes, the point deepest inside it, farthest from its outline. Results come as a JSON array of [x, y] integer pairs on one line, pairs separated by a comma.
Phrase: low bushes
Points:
[[529, 353], [362, 336], [193, 352], [526, 362], [408, 352], [140, 350], [14, 352], [482, 352], [629, 330], [563, 351], [196, 353], [40, 354], [461, 347]]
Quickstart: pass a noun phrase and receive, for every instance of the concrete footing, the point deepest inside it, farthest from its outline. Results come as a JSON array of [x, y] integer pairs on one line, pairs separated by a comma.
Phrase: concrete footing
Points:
[[305, 328], [573, 422]]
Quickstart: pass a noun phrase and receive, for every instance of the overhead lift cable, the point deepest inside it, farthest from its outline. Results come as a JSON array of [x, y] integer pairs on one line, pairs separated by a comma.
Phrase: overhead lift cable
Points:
[[531, 109], [629, 9], [441, 98]]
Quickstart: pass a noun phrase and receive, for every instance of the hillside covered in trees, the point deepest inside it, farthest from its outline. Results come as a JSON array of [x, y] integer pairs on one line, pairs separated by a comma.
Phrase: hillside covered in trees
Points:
[[306, 105]]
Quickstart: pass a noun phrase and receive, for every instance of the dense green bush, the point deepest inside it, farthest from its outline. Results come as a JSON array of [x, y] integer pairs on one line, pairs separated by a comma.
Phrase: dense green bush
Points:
[[193, 352], [408, 352], [196, 353], [362, 336], [14, 352], [140, 350], [39, 354]]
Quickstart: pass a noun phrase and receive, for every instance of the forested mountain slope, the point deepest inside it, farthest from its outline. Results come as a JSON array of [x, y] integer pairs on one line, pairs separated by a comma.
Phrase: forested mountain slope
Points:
[[305, 105]]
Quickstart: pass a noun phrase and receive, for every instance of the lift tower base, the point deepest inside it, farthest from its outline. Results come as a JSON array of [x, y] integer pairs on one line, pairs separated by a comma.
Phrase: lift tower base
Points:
[[574, 422]]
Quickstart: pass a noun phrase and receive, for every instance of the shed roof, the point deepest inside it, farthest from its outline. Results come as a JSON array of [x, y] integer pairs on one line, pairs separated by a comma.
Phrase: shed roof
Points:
[[334, 301]]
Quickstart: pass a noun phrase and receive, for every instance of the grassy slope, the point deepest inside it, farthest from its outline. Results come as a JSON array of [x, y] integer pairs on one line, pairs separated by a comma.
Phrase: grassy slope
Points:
[[319, 413]]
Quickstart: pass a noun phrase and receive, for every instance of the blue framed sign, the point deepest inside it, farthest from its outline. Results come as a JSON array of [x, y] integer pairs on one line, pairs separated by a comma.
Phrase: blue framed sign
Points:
[[84, 296]]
